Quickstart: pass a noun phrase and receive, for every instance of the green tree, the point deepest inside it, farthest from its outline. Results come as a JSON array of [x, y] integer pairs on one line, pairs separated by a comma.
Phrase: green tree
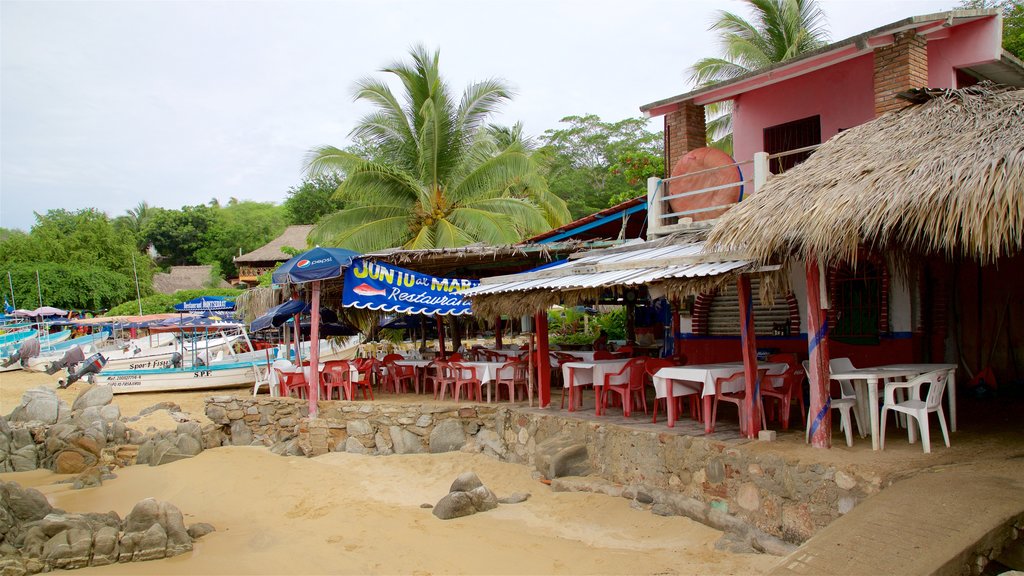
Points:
[[313, 199], [68, 285], [178, 235], [239, 227], [778, 30], [584, 160], [441, 177], [1013, 21]]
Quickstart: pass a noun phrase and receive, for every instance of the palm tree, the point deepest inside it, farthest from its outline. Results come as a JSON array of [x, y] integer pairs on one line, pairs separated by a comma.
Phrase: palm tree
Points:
[[441, 176], [778, 31]]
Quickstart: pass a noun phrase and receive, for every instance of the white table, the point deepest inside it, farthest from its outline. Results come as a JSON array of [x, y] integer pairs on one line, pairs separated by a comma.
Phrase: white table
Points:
[[702, 377], [577, 374], [485, 371], [872, 376]]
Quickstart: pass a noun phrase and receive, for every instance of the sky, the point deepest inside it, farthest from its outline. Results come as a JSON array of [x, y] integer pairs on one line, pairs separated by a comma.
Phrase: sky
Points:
[[107, 104]]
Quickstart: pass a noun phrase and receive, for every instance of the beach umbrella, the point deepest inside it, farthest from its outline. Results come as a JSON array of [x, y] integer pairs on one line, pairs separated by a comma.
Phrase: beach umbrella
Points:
[[314, 265], [49, 311], [278, 315]]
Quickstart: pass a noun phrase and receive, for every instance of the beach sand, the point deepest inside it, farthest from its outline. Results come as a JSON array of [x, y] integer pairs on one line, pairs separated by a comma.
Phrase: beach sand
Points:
[[351, 514]]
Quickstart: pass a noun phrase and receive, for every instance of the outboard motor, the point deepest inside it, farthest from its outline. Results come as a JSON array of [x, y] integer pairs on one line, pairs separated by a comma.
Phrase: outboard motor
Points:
[[72, 357], [92, 365], [28, 349], [176, 360]]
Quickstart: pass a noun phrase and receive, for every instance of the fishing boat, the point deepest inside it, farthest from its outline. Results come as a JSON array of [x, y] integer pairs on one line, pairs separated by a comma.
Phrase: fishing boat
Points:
[[218, 375], [10, 354], [89, 344]]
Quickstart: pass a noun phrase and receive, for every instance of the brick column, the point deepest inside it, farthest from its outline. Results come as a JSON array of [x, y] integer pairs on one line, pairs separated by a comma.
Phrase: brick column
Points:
[[684, 131], [899, 67]]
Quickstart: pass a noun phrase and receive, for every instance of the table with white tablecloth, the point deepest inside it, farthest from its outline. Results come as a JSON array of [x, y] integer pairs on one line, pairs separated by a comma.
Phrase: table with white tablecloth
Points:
[[700, 378], [487, 372], [578, 374]]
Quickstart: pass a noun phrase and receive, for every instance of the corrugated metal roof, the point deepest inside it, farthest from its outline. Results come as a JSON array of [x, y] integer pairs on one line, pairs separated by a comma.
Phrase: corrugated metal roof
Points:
[[603, 269]]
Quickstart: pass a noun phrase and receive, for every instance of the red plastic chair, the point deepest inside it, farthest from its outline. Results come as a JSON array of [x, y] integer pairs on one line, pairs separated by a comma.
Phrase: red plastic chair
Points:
[[288, 381], [337, 374], [397, 376], [737, 398], [628, 389], [465, 377], [790, 387], [513, 375], [562, 358], [439, 376]]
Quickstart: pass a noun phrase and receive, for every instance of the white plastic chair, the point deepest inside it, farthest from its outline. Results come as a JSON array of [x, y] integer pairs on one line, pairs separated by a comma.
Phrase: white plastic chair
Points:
[[846, 387], [917, 408], [271, 380], [843, 404]]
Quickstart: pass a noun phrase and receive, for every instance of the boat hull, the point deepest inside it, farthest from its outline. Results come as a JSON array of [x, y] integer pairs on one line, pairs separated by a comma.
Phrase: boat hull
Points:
[[174, 380]]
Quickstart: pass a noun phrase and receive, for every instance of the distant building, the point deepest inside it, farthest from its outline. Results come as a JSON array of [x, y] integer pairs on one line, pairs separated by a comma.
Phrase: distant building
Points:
[[184, 278], [267, 257]]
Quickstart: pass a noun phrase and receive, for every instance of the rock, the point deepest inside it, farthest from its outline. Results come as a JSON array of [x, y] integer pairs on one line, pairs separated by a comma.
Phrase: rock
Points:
[[25, 504], [88, 479], [215, 413], [767, 544], [354, 446], [98, 395], [359, 427], [110, 413], [447, 436], [514, 498], [748, 497], [465, 482], [178, 539], [405, 442], [200, 529], [845, 481], [151, 545], [561, 456], [144, 514], [24, 459], [12, 566], [454, 505], [87, 416], [241, 435], [105, 546], [170, 406], [188, 445], [37, 405], [426, 505], [424, 420], [489, 440], [483, 499], [715, 471], [70, 462]]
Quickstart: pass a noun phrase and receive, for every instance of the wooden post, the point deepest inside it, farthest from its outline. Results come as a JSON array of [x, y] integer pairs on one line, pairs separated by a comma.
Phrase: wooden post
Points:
[[297, 339], [497, 331], [314, 352], [677, 341], [749, 348], [630, 322], [440, 336], [543, 360], [817, 350]]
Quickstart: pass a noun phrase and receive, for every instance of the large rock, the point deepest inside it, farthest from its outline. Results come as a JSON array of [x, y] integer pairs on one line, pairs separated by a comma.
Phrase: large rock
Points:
[[466, 496], [465, 482], [37, 405], [447, 436], [405, 442], [562, 456], [71, 462], [241, 435], [188, 445], [454, 505], [25, 504], [99, 395]]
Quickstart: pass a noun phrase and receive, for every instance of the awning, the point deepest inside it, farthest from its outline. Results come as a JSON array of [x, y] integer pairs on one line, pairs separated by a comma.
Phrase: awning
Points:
[[623, 267], [379, 286]]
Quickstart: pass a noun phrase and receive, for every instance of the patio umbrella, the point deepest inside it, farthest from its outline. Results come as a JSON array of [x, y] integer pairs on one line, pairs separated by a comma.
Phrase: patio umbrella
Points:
[[278, 315], [313, 266]]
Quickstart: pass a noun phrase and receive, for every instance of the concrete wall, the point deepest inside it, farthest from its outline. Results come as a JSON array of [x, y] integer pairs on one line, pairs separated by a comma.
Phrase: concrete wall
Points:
[[739, 481]]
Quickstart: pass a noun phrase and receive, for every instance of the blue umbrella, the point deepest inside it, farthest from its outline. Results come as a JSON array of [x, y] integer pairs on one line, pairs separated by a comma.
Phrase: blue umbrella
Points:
[[279, 315], [205, 303], [314, 264]]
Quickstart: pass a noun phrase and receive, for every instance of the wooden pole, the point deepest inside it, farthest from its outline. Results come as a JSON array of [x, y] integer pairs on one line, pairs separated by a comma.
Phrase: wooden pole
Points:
[[297, 340], [677, 342], [543, 360], [440, 335], [748, 341], [817, 350], [314, 352], [497, 331]]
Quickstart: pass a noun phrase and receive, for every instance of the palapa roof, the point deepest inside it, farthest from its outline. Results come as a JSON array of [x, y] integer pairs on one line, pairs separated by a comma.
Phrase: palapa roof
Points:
[[942, 177], [184, 278], [293, 236]]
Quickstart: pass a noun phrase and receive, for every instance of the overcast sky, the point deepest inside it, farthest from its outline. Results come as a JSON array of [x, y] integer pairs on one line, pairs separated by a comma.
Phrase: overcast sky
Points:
[[106, 104]]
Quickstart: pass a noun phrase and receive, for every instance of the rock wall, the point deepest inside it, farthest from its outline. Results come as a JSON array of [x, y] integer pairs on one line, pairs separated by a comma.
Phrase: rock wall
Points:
[[721, 483]]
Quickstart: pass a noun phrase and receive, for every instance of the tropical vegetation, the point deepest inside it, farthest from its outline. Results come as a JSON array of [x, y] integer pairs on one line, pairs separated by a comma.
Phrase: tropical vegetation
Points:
[[441, 175], [777, 30]]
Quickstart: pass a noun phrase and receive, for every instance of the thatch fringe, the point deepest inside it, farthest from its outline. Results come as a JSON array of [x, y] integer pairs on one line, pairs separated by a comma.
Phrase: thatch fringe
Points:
[[945, 177], [255, 302]]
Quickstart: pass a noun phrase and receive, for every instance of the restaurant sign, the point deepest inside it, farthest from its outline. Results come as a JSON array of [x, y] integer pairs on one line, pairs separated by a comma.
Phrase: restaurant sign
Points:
[[380, 286]]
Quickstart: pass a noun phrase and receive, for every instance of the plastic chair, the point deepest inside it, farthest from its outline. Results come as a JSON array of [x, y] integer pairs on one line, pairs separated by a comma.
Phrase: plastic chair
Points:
[[561, 358], [652, 367], [737, 398], [790, 385], [846, 387], [439, 376], [844, 405], [396, 377], [270, 377], [337, 374], [288, 381], [632, 386], [513, 375], [916, 408], [465, 376]]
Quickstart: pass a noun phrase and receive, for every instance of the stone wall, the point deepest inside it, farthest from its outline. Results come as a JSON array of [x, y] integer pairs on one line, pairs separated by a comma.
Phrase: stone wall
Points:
[[726, 483]]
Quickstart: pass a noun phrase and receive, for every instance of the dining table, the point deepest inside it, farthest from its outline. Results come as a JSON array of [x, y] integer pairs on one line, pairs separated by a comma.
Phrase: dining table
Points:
[[866, 382], [700, 379], [585, 373], [487, 372]]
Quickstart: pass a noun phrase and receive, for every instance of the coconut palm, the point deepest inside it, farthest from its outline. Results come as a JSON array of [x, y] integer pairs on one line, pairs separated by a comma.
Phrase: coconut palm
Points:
[[441, 177], [779, 30]]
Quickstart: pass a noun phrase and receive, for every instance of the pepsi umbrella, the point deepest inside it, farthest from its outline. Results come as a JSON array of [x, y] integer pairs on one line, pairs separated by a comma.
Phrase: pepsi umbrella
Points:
[[314, 264], [205, 303]]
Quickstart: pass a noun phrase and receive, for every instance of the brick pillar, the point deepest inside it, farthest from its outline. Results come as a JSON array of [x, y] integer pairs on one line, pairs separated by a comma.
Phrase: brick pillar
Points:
[[899, 67], [684, 131]]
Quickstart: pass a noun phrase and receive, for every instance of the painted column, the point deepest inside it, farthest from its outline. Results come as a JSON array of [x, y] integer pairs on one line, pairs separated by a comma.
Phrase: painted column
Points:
[[748, 341], [817, 350], [497, 331], [543, 360], [297, 340], [677, 341], [440, 336], [314, 352]]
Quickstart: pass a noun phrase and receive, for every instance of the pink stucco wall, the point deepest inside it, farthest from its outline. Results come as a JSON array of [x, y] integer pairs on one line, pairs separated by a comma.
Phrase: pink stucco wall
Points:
[[972, 43], [841, 94]]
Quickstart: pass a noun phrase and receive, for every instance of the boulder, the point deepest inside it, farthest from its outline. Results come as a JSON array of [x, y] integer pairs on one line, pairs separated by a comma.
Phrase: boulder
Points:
[[105, 547], [466, 482], [188, 445], [354, 446], [200, 529], [405, 442], [454, 505], [447, 436], [71, 462], [25, 504], [37, 405], [241, 435], [562, 456], [514, 498], [99, 395]]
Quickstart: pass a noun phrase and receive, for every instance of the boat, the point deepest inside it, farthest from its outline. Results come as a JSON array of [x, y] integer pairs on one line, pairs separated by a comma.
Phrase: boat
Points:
[[11, 353], [89, 344], [218, 375]]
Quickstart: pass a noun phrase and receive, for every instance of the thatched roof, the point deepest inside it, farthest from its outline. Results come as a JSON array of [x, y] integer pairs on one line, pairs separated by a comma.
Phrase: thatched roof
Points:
[[293, 236], [184, 278], [485, 259], [943, 177]]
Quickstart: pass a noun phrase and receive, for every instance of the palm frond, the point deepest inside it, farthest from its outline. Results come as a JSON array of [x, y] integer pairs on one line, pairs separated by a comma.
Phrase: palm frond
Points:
[[373, 183], [521, 212], [486, 225], [364, 228], [479, 101], [491, 178], [330, 160]]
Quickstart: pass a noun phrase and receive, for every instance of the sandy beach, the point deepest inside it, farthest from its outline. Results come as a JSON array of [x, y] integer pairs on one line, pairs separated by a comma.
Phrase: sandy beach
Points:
[[350, 514]]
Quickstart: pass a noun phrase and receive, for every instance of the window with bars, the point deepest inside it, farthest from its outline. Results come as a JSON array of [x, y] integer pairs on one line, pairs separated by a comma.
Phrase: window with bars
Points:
[[791, 136], [857, 301]]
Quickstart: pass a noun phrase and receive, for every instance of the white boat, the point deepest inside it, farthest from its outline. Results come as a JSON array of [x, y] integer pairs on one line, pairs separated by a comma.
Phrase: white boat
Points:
[[161, 357], [223, 375], [89, 344]]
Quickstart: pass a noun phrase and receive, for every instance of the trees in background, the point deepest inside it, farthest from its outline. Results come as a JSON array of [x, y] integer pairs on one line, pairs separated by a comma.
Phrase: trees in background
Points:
[[440, 176], [1013, 21], [313, 199], [777, 30]]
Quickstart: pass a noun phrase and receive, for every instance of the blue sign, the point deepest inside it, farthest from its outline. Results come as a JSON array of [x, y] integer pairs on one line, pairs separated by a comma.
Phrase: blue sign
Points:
[[204, 303], [380, 286]]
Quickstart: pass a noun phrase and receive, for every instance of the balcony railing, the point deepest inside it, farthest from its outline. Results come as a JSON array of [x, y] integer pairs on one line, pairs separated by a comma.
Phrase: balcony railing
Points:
[[662, 219]]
